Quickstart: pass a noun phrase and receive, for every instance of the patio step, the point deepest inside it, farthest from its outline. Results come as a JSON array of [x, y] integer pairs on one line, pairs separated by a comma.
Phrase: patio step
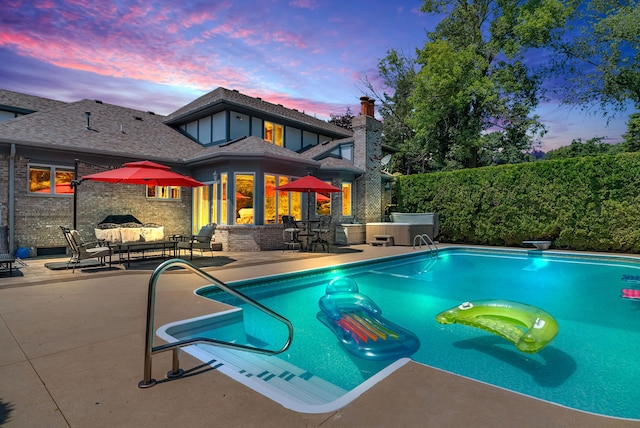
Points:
[[382, 240], [274, 377]]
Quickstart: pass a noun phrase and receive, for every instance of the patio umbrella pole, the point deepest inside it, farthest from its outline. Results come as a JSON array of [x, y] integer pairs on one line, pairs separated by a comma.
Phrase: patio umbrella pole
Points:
[[74, 185]]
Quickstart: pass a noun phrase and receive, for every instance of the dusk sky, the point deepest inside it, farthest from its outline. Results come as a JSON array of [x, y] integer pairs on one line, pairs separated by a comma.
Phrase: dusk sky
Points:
[[158, 56]]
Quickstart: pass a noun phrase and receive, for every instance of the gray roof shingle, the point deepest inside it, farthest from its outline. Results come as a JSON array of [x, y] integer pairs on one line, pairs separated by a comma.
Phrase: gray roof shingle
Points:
[[125, 132], [248, 147], [232, 97], [114, 130], [10, 100]]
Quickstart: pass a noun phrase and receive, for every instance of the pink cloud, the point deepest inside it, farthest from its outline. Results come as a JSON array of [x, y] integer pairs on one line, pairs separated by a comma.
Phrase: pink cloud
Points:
[[288, 38], [304, 4]]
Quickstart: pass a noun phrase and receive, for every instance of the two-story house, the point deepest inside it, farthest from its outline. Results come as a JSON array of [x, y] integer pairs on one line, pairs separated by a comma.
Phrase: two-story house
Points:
[[240, 147]]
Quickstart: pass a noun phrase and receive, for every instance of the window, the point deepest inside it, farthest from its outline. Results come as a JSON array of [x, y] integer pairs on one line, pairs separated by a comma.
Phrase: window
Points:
[[50, 180], [163, 192], [323, 203], [283, 200], [274, 133], [282, 203], [244, 198], [223, 197], [214, 203], [270, 199], [346, 199], [346, 152]]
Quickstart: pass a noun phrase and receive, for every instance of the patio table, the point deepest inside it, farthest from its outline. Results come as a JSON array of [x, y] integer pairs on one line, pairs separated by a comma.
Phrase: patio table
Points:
[[140, 247]]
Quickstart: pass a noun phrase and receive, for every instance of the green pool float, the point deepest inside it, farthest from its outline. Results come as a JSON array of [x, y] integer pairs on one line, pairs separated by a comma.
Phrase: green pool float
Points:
[[528, 327]]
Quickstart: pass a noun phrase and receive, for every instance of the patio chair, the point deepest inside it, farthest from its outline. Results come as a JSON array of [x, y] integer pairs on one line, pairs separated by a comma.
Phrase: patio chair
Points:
[[81, 250], [322, 231], [6, 258], [201, 241], [290, 233]]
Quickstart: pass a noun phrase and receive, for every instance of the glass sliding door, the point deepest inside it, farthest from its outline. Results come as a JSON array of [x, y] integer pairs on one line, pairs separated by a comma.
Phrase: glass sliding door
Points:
[[200, 211]]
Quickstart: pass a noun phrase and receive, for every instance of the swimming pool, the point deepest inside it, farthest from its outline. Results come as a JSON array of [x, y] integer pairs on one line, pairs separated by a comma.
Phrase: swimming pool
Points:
[[591, 365]]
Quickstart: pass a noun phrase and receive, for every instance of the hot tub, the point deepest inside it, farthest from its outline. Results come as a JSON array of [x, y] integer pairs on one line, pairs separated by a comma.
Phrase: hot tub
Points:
[[404, 227]]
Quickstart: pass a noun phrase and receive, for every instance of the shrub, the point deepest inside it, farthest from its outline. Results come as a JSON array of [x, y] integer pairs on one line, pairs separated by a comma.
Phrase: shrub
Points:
[[589, 203]]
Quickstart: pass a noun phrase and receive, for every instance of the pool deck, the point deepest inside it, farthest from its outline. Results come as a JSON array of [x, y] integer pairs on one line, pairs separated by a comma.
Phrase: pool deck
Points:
[[72, 346]]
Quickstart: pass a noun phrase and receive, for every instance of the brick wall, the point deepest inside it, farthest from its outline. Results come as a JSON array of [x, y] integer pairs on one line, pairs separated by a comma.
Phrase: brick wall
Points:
[[38, 218], [4, 190]]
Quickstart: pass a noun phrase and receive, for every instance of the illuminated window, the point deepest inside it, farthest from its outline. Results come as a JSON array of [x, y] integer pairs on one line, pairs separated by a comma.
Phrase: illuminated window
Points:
[[224, 182], [279, 137], [244, 198], [270, 199], [282, 203], [163, 192], [346, 199], [283, 199], [274, 133], [214, 203], [323, 203], [41, 182]]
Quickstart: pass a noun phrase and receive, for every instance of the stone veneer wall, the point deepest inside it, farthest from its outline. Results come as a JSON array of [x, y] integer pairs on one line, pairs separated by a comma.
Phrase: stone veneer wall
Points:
[[250, 238], [367, 141]]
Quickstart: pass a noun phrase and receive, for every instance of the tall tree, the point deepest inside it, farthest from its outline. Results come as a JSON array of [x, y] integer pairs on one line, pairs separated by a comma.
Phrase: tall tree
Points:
[[600, 57], [631, 142], [342, 120], [474, 81], [578, 148], [398, 73]]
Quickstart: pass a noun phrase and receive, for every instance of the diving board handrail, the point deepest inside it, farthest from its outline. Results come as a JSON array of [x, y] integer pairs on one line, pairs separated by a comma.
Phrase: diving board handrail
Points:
[[426, 240], [149, 349]]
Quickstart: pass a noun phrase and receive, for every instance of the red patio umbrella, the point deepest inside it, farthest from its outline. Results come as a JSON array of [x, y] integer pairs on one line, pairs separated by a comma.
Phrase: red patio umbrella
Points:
[[308, 184], [144, 172]]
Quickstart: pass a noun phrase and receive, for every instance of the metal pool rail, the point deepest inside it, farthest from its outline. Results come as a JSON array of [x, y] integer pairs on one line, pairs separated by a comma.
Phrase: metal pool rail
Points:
[[426, 240], [176, 371]]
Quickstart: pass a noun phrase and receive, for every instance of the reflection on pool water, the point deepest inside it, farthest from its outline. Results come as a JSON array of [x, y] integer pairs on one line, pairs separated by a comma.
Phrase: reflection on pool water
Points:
[[592, 364]]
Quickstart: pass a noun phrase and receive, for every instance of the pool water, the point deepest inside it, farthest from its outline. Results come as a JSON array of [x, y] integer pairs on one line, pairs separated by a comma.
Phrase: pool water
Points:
[[593, 364]]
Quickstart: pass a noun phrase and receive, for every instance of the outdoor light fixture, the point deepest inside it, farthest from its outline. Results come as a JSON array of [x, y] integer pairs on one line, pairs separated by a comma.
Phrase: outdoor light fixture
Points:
[[215, 176], [87, 114]]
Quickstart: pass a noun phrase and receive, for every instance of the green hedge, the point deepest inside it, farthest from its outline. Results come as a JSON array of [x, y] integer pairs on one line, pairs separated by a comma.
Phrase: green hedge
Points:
[[589, 203]]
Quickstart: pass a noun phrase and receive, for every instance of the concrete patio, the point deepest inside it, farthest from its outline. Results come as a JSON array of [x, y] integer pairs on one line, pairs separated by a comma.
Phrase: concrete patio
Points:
[[72, 346]]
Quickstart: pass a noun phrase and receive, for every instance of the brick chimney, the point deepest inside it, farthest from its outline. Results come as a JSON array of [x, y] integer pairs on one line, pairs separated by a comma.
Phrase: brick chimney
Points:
[[364, 106], [367, 106], [367, 152]]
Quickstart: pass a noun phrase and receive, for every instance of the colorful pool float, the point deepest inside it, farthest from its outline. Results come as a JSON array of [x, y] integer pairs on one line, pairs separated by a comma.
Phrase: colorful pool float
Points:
[[357, 322], [528, 327], [631, 278], [630, 293]]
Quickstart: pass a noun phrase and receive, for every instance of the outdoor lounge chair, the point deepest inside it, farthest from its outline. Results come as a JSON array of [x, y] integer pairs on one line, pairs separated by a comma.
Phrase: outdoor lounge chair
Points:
[[201, 241], [6, 258], [81, 250]]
